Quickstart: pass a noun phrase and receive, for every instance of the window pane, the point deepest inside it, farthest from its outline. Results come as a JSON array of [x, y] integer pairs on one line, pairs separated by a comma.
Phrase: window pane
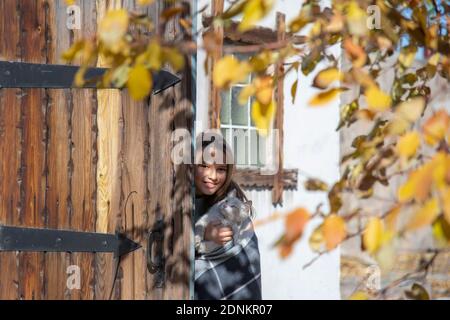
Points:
[[261, 150], [239, 114], [251, 120], [225, 108], [240, 146]]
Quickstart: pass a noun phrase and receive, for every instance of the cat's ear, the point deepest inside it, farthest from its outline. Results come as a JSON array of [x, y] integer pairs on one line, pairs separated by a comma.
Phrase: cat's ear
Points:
[[248, 205], [232, 193]]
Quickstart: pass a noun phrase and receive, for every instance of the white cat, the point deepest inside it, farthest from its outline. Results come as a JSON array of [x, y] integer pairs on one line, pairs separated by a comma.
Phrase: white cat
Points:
[[231, 212]]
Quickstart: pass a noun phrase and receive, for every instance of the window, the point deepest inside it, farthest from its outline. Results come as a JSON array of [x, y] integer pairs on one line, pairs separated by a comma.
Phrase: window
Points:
[[238, 128]]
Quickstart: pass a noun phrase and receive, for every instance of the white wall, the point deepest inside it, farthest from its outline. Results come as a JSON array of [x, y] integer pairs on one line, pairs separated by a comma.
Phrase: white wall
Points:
[[311, 144]]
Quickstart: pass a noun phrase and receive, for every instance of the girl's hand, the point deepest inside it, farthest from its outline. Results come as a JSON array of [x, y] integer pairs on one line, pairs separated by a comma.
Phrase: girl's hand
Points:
[[217, 233]]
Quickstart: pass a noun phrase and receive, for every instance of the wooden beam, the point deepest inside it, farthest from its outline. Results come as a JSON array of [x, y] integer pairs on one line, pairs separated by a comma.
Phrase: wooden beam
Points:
[[215, 102], [251, 179], [257, 35], [277, 192]]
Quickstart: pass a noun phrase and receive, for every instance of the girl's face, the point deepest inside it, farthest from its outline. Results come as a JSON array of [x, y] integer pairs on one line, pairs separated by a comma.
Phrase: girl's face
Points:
[[209, 178]]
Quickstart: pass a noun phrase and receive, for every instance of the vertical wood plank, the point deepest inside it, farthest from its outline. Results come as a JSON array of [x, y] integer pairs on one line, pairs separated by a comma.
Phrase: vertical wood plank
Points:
[[134, 180], [215, 101], [10, 148], [58, 153], [277, 192], [109, 196], [84, 159], [178, 246], [34, 106]]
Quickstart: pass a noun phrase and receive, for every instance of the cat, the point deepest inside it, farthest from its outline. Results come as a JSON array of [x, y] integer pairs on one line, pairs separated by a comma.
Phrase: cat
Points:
[[231, 212]]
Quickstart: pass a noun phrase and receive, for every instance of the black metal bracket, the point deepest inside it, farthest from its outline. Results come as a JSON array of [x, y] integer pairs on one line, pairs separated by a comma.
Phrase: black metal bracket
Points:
[[52, 240], [156, 266], [54, 76]]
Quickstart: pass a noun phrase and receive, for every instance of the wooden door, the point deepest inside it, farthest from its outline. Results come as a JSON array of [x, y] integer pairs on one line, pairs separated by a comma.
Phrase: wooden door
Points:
[[70, 157]]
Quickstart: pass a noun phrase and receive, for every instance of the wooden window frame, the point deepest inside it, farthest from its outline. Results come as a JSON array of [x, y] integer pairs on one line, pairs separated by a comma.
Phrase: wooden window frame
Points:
[[249, 178]]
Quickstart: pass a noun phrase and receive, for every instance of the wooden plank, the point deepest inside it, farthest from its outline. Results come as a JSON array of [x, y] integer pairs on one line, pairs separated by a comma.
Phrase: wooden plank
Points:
[[159, 171], [251, 179], [277, 191], [215, 101], [34, 105], [179, 247], [257, 35], [58, 153], [134, 179], [83, 159], [10, 149], [109, 197]]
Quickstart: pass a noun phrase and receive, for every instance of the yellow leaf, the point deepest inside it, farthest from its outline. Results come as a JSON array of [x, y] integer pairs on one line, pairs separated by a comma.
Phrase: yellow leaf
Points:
[[112, 28], [406, 58], [72, 53], [412, 109], [264, 89], [373, 234], [392, 218], [174, 57], [326, 77], [294, 90], [407, 144], [334, 231], [325, 97], [262, 116], [356, 19], [446, 203], [139, 82], [152, 57], [254, 11], [229, 70], [435, 128], [441, 232], [145, 2], [434, 60], [418, 184], [377, 100], [406, 113], [425, 215], [315, 185], [317, 240], [245, 94], [359, 295]]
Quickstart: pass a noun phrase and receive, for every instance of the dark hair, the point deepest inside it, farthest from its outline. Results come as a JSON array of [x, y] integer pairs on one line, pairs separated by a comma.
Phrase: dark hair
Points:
[[213, 139]]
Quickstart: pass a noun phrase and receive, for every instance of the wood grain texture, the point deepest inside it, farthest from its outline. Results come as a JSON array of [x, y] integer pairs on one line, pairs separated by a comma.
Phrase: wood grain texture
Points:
[[215, 102], [58, 153], [10, 148], [109, 196], [277, 191], [34, 139], [70, 158], [84, 160], [252, 179]]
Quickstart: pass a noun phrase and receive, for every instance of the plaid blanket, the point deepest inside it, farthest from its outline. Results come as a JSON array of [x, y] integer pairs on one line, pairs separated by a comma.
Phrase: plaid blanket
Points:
[[232, 272]]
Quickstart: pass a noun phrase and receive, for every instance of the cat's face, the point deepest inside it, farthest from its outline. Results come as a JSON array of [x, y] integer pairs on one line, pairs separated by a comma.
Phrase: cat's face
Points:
[[232, 208]]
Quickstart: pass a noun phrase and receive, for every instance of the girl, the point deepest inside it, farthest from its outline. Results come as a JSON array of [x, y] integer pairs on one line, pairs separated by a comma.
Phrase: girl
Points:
[[234, 272]]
